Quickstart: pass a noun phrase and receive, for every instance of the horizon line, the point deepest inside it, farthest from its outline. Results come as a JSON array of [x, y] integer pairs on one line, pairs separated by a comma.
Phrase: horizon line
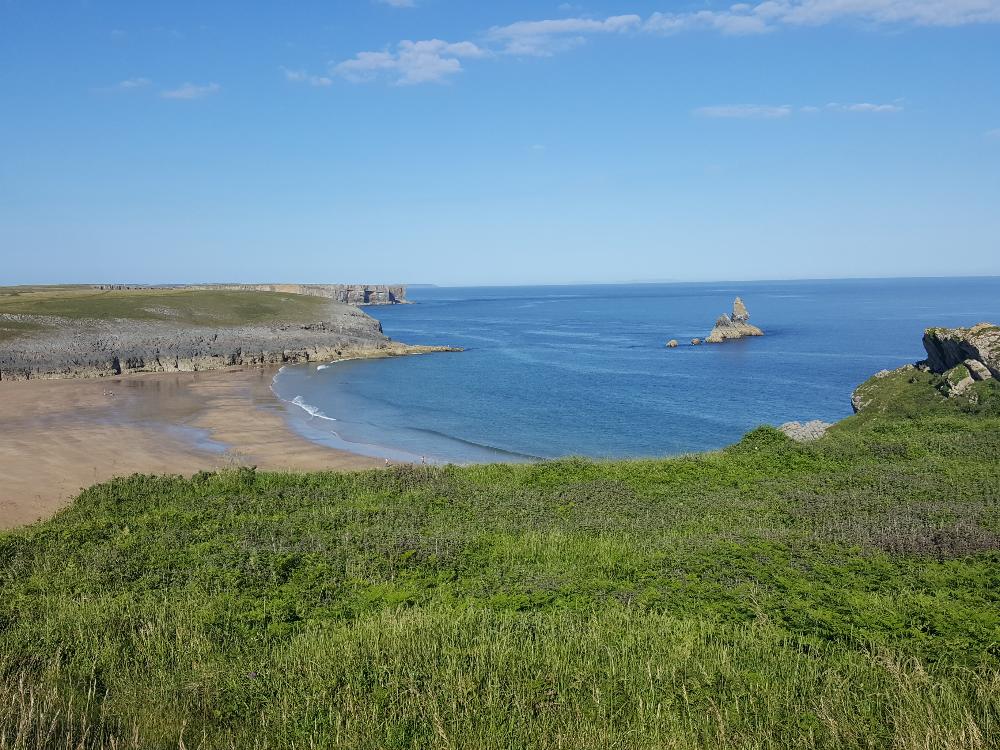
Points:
[[480, 285]]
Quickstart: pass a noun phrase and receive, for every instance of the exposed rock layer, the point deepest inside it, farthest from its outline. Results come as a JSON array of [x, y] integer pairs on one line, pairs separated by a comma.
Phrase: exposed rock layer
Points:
[[350, 294], [805, 433], [962, 356], [99, 348], [734, 326], [949, 347]]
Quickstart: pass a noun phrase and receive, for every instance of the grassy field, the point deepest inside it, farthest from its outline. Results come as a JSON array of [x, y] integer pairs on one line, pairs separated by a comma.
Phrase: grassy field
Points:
[[185, 307], [840, 594]]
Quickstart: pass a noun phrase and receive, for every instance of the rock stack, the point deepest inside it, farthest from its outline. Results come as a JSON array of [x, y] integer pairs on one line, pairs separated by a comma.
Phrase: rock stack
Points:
[[734, 326]]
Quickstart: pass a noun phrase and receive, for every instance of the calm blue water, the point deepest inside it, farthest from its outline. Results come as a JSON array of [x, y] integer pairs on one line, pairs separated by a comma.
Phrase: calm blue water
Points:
[[582, 370]]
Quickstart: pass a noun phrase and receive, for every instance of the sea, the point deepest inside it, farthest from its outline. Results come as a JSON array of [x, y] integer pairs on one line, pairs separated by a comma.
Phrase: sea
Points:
[[553, 371]]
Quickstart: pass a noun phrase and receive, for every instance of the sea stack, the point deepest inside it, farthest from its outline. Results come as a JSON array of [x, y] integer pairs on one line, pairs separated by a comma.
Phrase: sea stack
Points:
[[734, 326]]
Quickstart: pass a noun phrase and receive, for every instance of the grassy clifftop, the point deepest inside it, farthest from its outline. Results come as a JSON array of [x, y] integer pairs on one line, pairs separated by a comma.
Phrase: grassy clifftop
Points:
[[838, 594], [184, 307], [50, 332]]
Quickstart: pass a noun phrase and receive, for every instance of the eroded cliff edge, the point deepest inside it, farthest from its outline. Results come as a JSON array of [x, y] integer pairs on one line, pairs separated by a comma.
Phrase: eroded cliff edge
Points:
[[348, 294], [957, 358], [87, 346]]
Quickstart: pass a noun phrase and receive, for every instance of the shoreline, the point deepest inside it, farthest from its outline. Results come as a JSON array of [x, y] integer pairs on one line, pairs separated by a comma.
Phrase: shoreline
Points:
[[63, 435]]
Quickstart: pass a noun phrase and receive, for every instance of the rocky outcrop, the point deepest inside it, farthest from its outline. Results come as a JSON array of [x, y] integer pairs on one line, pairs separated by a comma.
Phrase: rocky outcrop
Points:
[[862, 395], [960, 357], [348, 294], [950, 347], [672, 344], [805, 433], [101, 348], [733, 326], [963, 357]]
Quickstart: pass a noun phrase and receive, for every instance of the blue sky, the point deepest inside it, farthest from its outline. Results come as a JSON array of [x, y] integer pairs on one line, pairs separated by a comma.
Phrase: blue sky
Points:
[[451, 142]]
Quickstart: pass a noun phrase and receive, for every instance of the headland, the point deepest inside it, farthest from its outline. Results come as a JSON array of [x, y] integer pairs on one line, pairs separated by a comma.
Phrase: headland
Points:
[[82, 332], [103, 382]]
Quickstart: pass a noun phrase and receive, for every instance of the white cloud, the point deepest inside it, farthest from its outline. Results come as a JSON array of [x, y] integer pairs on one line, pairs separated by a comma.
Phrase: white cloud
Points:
[[301, 76], [429, 61], [744, 18], [865, 107], [919, 12], [776, 112], [129, 84], [543, 38], [746, 111], [435, 60], [133, 83], [734, 22], [191, 91]]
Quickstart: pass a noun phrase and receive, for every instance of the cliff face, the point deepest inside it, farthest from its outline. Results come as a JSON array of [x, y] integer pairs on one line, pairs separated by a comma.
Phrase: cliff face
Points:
[[957, 359], [734, 326], [101, 348], [949, 347], [348, 294]]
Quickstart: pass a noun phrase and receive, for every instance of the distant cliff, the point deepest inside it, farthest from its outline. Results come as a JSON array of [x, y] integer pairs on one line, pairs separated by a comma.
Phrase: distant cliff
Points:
[[349, 294], [80, 333], [89, 349]]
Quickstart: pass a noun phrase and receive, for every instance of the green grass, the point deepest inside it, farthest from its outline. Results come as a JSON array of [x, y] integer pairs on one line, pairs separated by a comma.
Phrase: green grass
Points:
[[914, 394], [186, 307], [839, 594]]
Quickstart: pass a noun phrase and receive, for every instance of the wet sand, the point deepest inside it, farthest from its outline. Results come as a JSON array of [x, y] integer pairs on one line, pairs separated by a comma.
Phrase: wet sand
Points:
[[60, 436]]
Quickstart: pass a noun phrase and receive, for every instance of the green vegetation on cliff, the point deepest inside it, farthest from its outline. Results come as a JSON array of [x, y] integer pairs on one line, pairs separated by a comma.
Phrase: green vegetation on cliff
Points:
[[184, 307], [914, 394], [838, 594]]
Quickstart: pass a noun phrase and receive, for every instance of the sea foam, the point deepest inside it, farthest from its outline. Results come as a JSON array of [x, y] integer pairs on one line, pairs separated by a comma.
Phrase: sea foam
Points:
[[311, 410]]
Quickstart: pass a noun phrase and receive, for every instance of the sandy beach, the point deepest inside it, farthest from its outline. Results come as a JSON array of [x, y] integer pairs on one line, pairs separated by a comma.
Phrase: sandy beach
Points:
[[60, 436]]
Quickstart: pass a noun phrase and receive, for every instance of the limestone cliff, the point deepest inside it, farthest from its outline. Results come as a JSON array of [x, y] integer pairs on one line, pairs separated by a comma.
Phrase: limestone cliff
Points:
[[70, 348], [957, 358], [949, 347], [349, 294], [733, 326]]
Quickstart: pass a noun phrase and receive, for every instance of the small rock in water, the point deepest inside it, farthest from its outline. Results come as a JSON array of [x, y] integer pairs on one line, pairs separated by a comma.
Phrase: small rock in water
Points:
[[695, 342], [672, 344]]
